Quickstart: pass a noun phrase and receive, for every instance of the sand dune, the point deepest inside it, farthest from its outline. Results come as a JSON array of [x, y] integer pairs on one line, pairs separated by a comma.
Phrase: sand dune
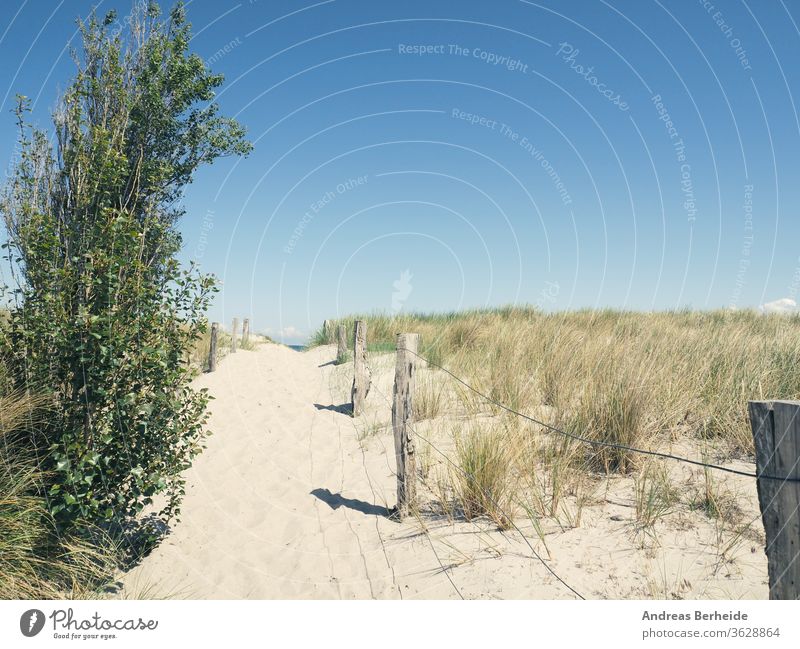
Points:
[[289, 501], [283, 503]]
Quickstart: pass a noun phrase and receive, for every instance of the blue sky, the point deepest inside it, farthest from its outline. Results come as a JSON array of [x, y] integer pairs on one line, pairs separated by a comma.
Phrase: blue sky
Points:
[[443, 155]]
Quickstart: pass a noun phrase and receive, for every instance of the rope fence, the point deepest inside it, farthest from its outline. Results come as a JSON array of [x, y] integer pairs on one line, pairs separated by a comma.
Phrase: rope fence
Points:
[[776, 435], [601, 443], [510, 519]]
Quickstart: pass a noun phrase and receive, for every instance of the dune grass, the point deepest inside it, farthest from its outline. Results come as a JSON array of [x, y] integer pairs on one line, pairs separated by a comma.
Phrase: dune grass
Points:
[[481, 476], [654, 494], [620, 376], [36, 562], [646, 380]]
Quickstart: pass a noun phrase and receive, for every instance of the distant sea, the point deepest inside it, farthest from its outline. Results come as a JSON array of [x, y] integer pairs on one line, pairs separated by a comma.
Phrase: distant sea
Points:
[[297, 348]]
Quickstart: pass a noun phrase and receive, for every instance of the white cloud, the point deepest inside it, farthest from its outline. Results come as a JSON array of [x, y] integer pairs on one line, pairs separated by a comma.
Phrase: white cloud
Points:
[[785, 305], [289, 331]]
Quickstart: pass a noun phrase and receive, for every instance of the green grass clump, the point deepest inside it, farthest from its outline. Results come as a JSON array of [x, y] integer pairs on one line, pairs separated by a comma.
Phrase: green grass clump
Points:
[[481, 480], [611, 410], [36, 562], [428, 398], [654, 495]]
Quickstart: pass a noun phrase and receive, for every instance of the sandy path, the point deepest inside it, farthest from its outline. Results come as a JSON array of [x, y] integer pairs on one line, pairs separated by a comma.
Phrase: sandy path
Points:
[[284, 503], [289, 501]]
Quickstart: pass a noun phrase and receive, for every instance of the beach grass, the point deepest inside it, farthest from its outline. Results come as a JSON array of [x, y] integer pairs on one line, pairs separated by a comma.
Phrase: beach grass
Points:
[[619, 376], [642, 380], [36, 561]]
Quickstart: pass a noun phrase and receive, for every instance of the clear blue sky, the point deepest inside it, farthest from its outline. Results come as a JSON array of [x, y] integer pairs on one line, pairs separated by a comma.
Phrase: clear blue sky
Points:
[[498, 152]]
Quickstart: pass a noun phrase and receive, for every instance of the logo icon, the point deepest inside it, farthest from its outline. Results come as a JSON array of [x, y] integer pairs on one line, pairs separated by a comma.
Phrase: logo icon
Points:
[[31, 622], [402, 289]]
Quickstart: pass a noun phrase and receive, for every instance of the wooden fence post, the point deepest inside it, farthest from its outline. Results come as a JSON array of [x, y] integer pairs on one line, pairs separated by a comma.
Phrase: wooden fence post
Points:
[[212, 349], [233, 335], [776, 434], [402, 418], [327, 334], [341, 352], [245, 332], [361, 374]]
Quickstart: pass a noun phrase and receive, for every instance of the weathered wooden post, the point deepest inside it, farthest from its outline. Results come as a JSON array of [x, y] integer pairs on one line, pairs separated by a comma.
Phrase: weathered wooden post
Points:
[[361, 374], [212, 349], [402, 419], [233, 335], [245, 332], [341, 351], [776, 433], [327, 333]]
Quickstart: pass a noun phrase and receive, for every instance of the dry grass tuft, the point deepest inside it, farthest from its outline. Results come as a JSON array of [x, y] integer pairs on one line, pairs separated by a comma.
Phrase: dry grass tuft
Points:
[[428, 398], [654, 495], [35, 561], [482, 480]]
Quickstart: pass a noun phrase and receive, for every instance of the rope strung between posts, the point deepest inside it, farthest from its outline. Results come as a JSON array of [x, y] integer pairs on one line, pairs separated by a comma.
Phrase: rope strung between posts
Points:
[[510, 519], [599, 443], [506, 516]]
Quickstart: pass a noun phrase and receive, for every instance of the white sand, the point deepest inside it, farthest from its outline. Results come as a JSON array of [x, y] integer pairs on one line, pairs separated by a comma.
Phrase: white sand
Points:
[[252, 526]]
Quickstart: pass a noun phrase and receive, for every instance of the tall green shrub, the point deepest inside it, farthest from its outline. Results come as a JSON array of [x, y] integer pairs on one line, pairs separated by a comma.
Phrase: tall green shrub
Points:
[[102, 314]]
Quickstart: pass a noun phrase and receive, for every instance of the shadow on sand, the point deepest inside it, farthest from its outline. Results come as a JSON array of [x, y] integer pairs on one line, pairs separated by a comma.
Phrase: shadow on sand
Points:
[[334, 501], [344, 408]]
